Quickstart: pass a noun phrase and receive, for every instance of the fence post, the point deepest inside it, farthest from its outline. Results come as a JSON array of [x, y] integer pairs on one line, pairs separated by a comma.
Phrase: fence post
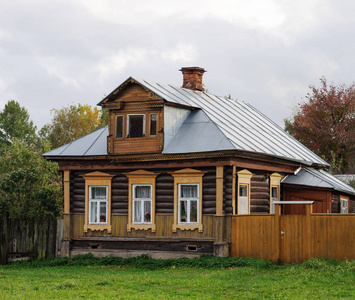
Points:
[[277, 255], [309, 210]]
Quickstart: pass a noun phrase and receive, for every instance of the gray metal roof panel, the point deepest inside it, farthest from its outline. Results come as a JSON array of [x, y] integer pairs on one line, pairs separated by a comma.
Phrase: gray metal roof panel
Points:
[[94, 143], [198, 134], [245, 127], [240, 127], [318, 178]]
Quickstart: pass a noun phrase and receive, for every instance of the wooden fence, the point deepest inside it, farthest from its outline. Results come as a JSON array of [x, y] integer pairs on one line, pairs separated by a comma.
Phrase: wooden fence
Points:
[[294, 238], [27, 238]]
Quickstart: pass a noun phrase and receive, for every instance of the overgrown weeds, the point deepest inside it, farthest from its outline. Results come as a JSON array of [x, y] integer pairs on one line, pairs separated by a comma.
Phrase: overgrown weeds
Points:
[[145, 262], [205, 262]]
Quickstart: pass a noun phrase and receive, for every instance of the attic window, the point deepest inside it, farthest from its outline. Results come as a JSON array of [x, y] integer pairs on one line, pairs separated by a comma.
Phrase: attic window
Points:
[[119, 127], [153, 125], [136, 125]]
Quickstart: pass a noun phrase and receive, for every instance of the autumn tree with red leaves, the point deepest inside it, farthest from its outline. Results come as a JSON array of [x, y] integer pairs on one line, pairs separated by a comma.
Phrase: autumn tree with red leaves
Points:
[[325, 124]]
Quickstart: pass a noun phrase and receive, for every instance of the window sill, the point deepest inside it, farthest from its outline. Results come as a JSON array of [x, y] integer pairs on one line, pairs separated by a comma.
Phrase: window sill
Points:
[[97, 227], [187, 227], [141, 227]]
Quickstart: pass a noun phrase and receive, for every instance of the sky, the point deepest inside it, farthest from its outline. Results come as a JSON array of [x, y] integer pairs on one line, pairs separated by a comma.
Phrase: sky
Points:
[[265, 52]]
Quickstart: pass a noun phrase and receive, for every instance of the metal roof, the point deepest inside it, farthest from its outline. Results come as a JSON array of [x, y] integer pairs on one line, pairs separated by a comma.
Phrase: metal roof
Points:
[[318, 178], [95, 143], [217, 124], [198, 134], [244, 126]]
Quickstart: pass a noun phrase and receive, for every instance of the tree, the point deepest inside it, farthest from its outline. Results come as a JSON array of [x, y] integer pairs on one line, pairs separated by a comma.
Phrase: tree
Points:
[[326, 124], [15, 123], [30, 186], [72, 122]]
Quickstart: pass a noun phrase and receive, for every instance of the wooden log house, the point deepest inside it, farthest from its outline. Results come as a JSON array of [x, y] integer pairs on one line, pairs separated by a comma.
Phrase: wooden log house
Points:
[[174, 165]]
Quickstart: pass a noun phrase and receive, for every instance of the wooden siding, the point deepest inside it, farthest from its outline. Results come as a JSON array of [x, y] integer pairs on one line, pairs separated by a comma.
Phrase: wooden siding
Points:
[[259, 194], [228, 190], [209, 191], [77, 192], [335, 203], [321, 198], [119, 192], [253, 236], [164, 223], [164, 192], [294, 238]]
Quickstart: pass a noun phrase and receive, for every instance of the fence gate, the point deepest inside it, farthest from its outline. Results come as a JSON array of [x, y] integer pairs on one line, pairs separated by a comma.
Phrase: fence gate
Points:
[[294, 238]]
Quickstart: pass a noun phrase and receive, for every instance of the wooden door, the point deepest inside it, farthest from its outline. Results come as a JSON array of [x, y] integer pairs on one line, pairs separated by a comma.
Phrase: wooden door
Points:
[[294, 238]]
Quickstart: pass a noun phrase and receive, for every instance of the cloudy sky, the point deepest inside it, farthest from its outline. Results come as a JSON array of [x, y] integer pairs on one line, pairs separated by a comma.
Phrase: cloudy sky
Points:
[[265, 52]]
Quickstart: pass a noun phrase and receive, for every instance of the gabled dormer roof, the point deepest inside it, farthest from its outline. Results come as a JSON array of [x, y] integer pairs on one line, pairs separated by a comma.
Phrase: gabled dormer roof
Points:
[[214, 124]]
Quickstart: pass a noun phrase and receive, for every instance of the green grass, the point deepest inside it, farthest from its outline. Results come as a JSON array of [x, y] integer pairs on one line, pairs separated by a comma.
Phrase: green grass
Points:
[[208, 278]]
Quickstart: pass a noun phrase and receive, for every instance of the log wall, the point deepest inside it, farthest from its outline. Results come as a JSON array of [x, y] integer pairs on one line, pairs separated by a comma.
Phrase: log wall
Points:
[[228, 190], [259, 194], [164, 192], [164, 224]]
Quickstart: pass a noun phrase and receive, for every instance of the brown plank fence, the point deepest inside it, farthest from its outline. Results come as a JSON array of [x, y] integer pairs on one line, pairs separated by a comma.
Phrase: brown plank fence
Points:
[[294, 238], [28, 238]]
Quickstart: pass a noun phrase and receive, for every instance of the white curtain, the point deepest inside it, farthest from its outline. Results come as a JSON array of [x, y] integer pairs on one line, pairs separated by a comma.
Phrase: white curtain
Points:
[[137, 211], [93, 212], [143, 192], [98, 192], [188, 191]]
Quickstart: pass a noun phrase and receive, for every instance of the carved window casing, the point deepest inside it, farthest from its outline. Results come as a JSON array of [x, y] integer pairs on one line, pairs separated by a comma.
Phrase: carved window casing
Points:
[[141, 200], [275, 180], [97, 201], [188, 199], [243, 202]]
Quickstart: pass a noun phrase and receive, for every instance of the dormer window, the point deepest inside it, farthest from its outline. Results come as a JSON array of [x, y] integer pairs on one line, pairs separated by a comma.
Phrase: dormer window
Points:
[[153, 125], [136, 125], [135, 130], [119, 126]]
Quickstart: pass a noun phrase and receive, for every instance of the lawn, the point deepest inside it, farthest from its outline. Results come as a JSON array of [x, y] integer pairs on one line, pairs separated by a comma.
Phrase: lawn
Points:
[[312, 280]]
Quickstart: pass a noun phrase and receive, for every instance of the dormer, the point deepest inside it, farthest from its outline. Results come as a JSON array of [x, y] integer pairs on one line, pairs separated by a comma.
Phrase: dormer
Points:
[[135, 119]]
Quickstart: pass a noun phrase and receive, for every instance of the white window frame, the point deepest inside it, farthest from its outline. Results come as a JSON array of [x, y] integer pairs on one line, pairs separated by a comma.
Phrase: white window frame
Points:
[[98, 201], [344, 209], [189, 200], [142, 200], [129, 127], [243, 199], [272, 208]]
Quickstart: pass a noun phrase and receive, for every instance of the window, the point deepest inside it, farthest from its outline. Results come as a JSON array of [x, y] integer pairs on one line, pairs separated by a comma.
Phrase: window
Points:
[[97, 201], [153, 125], [136, 125], [275, 180], [243, 201], [187, 200], [344, 209], [119, 126], [274, 197], [188, 203], [142, 203], [98, 205]]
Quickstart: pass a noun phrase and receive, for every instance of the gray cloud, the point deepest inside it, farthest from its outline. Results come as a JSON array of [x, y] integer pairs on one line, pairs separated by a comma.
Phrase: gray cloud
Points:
[[54, 53]]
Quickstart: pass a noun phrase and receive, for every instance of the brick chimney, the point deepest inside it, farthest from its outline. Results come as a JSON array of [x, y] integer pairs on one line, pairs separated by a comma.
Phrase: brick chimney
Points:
[[192, 77]]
